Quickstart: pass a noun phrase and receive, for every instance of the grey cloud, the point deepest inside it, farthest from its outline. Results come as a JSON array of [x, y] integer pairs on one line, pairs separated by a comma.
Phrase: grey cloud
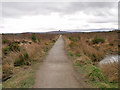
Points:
[[30, 8], [1, 26], [103, 21], [94, 8], [92, 30], [13, 9]]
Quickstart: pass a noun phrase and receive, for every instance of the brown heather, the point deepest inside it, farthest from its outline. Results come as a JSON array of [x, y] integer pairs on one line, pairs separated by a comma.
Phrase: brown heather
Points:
[[83, 49], [29, 51]]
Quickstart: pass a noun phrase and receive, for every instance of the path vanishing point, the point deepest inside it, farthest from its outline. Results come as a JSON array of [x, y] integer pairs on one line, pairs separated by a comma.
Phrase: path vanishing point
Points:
[[57, 70]]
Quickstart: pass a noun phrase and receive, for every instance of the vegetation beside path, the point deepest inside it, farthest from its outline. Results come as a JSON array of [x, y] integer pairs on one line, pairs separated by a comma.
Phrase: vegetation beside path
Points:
[[22, 54], [87, 50]]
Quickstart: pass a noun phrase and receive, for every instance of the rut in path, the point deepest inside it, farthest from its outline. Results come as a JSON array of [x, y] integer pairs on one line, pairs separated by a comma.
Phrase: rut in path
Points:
[[56, 71]]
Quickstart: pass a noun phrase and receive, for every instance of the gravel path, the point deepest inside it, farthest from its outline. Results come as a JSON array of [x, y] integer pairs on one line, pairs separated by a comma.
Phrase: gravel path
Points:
[[57, 71]]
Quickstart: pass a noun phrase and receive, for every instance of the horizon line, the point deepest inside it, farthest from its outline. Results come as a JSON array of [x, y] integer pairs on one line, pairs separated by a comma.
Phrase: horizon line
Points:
[[65, 31]]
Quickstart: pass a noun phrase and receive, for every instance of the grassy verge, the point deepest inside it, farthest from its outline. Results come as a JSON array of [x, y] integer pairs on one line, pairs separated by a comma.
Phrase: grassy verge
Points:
[[24, 79], [87, 50], [24, 76], [21, 60], [96, 78]]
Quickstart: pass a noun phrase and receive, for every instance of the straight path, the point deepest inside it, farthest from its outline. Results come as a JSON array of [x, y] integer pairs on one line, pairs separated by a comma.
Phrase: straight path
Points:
[[57, 71]]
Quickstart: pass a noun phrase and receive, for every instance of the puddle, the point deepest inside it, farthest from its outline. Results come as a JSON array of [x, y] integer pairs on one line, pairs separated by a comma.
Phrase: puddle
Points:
[[110, 59]]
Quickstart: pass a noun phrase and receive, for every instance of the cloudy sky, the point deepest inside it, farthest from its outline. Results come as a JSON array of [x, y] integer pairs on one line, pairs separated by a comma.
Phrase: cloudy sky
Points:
[[51, 16]]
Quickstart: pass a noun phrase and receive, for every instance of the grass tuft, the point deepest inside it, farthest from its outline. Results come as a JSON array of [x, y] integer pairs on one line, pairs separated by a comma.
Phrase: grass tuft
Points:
[[98, 40], [33, 37]]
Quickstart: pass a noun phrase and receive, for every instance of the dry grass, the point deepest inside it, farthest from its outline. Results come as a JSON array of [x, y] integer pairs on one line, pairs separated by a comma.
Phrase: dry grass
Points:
[[85, 46], [111, 71], [20, 50], [88, 49]]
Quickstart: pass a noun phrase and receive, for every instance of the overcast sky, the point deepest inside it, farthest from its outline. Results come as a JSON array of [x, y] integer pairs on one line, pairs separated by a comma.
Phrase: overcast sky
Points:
[[51, 16]]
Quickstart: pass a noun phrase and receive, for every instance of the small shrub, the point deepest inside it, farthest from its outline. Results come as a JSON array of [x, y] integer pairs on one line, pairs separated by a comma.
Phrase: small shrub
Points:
[[18, 42], [79, 38], [72, 44], [111, 44], [46, 49], [6, 50], [97, 56], [98, 40], [19, 61], [24, 41], [14, 47], [71, 53], [72, 39], [53, 41], [118, 52], [78, 55], [23, 59], [33, 37], [26, 56], [38, 39], [5, 41]]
